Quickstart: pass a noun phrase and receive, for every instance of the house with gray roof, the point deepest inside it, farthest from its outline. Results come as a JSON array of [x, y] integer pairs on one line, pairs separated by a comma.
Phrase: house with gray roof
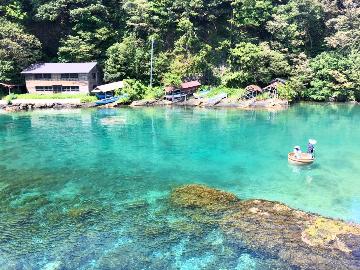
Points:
[[49, 78]]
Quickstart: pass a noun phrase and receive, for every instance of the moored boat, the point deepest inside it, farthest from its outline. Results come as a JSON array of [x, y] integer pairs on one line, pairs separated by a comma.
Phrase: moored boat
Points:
[[304, 159], [106, 100]]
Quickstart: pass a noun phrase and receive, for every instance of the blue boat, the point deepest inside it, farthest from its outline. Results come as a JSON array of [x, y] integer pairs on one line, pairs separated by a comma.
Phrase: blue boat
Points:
[[102, 95], [106, 101], [110, 99]]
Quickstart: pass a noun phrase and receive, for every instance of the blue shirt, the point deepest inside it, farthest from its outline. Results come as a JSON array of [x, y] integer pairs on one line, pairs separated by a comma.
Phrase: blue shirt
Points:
[[310, 148]]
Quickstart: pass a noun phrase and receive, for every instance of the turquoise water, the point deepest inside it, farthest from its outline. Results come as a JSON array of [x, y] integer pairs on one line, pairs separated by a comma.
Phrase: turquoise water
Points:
[[88, 189]]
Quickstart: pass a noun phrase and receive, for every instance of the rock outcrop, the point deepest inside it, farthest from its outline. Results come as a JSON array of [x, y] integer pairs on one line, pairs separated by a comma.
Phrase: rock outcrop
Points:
[[303, 240]]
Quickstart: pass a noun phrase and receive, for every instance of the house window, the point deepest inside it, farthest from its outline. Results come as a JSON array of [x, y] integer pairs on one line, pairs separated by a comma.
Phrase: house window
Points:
[[94, 76], [43, 88], [69, 76], [57, 88], [42, 76], [70, 88]]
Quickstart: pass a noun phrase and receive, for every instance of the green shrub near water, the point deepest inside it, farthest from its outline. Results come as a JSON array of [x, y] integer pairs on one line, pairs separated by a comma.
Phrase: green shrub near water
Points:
[[154, 92], [137, 91], [88, 99], [231, 92], [10, 97], [263, 96]]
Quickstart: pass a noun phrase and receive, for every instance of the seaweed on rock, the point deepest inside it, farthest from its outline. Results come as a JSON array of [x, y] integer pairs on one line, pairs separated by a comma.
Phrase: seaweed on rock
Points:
[[199, 196]]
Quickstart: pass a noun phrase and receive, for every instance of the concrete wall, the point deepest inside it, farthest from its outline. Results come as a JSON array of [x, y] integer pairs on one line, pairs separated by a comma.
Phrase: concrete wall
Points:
[[86, 82]]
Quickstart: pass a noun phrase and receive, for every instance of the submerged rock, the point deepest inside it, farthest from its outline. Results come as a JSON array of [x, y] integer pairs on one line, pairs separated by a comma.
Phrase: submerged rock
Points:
[[198, 196], [303, 240], [82, 212]]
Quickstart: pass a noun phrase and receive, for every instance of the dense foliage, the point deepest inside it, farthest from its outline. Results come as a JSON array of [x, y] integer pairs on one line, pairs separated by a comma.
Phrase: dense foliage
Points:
[[315, 44]]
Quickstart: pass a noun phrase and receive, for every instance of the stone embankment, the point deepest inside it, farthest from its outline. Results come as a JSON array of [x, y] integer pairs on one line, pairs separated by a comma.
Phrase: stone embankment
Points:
[[269, 104], [300, 239], [30, 104]]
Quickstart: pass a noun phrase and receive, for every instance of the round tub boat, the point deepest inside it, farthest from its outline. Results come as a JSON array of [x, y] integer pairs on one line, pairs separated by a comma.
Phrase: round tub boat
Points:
[[303, 160]]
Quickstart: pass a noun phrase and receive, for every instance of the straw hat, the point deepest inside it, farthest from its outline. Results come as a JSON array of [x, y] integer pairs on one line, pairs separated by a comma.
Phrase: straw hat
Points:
[[312, 141]]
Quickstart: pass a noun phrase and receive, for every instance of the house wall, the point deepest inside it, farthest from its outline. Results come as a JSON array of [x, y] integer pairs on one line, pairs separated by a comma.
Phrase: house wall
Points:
[[86, 82], [93, 81]]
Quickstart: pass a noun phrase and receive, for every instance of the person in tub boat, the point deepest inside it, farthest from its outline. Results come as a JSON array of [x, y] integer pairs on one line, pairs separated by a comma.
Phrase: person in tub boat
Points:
[[311, 148], [297, 151]]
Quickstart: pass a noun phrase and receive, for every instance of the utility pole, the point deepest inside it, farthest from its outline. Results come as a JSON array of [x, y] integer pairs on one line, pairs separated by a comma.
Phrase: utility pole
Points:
[[152, 61]]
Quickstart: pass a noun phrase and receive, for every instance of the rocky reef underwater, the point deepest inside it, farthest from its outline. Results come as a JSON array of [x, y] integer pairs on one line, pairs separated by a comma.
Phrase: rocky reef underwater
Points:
[[301, 240]]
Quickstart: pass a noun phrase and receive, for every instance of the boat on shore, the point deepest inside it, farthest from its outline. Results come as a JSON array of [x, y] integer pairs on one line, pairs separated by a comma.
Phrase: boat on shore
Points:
[[106, 101], [304, 159]]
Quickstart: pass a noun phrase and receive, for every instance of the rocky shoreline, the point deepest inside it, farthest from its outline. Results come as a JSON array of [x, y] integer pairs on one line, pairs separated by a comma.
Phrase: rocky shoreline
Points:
[[303, 240], [25, 105], [268, 104]]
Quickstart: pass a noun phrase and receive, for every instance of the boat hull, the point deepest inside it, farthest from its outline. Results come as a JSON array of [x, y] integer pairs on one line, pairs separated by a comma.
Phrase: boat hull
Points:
[[106, 101], [305, 159]]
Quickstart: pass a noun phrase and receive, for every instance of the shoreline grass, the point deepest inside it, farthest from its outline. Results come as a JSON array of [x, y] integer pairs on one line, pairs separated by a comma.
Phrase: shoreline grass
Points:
[[84, 98]]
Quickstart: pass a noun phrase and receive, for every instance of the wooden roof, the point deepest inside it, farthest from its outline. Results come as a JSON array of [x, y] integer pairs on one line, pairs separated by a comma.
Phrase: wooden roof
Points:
[[190, 84], [253, 88], [9, 85]]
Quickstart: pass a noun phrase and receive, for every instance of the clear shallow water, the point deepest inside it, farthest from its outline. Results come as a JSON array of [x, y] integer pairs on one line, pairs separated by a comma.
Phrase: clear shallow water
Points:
[[88, 189]]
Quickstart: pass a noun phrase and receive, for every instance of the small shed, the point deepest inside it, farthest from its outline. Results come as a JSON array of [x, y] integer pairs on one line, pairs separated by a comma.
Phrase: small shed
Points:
[[10, 86], [253, 88], [185, 87], [182, 92], [169, 89], [252, 91], [273, 87]]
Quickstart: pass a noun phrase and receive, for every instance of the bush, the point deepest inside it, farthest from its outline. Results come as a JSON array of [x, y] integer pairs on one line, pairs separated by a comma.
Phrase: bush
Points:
[[231, 92], [255, 64], [332, 78], [289, 90], [263, 96], [88, 99], [135, 89], [10, 97], [154, 92]]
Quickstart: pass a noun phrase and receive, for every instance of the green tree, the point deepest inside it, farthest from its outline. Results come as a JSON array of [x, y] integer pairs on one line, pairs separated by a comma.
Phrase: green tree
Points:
[[298, 25], [18, 49], [252, 64], [345, 27], [251, 13], [78, 48], [13, 11], [128, 59], [332, 78]]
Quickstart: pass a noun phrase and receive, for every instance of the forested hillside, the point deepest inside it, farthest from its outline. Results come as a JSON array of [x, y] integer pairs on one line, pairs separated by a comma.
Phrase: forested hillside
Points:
[[313, 43]]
